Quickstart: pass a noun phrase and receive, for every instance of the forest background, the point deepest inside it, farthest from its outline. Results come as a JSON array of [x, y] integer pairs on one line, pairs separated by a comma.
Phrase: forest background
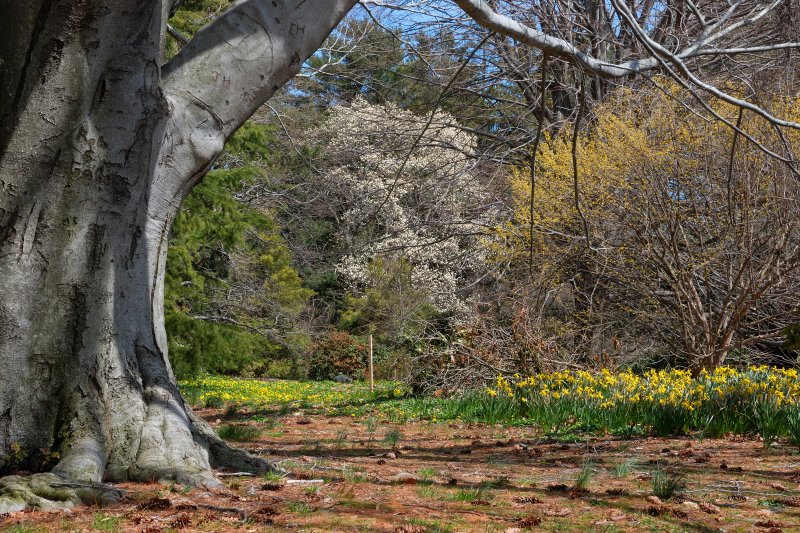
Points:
[[481, 209]]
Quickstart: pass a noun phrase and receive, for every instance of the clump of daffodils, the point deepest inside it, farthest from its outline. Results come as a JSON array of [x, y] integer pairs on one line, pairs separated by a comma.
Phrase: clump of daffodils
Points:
[[666, 401]]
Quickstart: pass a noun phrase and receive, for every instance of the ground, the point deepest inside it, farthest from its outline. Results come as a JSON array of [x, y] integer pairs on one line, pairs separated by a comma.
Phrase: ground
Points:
[[347, 473]]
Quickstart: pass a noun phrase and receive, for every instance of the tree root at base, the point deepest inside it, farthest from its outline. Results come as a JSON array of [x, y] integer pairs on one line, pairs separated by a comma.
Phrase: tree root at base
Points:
[[188, 462], [51, 491], [225, 456]]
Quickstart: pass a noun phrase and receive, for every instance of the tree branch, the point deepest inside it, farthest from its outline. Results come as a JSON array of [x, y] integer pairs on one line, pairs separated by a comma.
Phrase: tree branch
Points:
[[237, 62], [231, 68], [482, 12]]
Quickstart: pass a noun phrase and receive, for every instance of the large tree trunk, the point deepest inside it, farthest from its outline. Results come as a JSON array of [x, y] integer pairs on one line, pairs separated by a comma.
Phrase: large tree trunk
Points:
[[98, 146]]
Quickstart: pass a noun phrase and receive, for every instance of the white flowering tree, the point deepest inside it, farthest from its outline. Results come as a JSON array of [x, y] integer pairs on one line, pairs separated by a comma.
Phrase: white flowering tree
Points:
[[412, 196]]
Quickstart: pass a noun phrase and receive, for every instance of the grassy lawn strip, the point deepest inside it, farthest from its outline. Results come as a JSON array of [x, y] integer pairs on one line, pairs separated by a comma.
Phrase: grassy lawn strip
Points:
[[756, 400]]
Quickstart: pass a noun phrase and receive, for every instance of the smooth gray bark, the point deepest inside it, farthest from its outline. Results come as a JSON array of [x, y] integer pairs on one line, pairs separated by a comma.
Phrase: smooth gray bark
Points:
[[99, 144]]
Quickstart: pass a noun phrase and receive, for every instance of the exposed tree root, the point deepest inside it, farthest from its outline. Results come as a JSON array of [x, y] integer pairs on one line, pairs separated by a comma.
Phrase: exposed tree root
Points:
[[188, 461], [224, 456], [51, 491]]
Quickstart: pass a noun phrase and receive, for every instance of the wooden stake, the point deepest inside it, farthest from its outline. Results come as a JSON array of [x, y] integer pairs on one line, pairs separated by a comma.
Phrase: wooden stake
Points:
[[371, 374]]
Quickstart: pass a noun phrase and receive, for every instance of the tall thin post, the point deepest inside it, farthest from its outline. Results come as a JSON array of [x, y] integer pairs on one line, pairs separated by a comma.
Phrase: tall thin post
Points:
[[371, 373]]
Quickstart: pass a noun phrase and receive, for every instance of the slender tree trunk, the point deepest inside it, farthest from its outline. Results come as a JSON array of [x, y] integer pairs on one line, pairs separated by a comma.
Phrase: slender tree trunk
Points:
[[98, 146]]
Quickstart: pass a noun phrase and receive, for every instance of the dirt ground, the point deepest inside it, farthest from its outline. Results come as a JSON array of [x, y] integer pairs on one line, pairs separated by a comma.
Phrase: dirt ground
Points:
[[350, 475]]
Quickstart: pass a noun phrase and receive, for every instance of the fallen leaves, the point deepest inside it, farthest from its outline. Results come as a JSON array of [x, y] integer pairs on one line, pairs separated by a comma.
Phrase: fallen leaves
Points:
[[557, 511], [709, 508], [771, 525], [154, 504], [180, 521], [529, 520], [527, 499], [410, 528]]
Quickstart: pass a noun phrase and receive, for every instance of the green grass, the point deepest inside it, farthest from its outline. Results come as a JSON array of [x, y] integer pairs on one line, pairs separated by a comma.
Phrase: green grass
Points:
[[353, 475], [467, 495], [667, 484], [565, 406], [299, 508], [24, 528], [238, 432], [392, 437], [527, 482], [585, 475], [496, 483], [432, 526], [623, 469], [273, 477], [430, 492], [105, 522], [427, 474], [283, 396], [341, 438]]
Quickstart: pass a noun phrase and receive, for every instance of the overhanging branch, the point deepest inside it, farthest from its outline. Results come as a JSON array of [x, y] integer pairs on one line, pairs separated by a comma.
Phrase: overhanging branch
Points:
[[227, 71]]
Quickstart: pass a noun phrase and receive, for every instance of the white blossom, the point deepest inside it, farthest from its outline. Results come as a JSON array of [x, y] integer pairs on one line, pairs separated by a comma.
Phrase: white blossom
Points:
[[413, 193]]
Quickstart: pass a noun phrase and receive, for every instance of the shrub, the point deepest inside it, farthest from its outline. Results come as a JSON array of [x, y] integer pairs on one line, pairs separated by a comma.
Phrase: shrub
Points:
[[335, 353]]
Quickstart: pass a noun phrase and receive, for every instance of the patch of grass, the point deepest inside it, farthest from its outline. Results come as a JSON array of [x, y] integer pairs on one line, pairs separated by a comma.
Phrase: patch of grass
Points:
[[427, 474], [392, 437], [467, 495], [274, 477], [212, 402], [566, 405], [772, 504], [287, 395], [25, 528], [352, 475], [180, 489], [267, 422], [432, 526], [430, 492], [496, 483], [341, 438], [238, 432], [299, 508], [585, 475], [667, 483], [291, 464], [105, 522], [624, 468]]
